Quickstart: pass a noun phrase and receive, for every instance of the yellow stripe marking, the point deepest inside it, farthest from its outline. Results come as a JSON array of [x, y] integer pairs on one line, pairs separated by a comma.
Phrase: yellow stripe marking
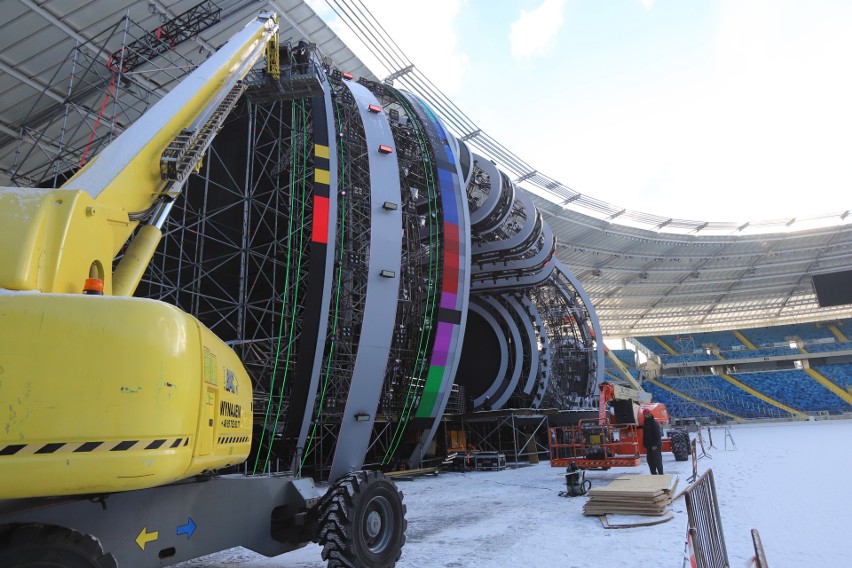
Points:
[[815, 375], [321, 151], [322, 176], [763, 397], [837, 333], [693, 400], [744, 340], [665, 346]]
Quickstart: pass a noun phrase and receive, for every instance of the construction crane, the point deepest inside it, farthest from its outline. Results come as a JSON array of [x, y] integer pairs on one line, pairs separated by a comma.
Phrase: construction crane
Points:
[[118, 411]]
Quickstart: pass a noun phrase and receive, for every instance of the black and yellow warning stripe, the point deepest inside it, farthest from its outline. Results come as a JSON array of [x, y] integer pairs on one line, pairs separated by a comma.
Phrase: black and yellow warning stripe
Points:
[[92, 447], [233, 439]]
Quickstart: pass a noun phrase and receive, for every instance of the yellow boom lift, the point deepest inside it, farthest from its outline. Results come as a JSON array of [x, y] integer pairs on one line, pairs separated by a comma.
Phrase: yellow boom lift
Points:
[[117, 410]]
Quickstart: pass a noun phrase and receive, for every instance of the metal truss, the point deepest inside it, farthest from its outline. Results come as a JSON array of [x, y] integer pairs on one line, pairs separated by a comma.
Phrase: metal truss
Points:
[[101, 98], [349, 280], [520, 434]]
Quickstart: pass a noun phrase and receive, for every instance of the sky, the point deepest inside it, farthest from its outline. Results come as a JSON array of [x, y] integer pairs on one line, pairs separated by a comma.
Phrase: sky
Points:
[[784, 479], [726, 110]]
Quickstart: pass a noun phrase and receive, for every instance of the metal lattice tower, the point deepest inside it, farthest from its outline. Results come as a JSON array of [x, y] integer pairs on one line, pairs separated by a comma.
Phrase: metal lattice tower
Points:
[[103, 94]]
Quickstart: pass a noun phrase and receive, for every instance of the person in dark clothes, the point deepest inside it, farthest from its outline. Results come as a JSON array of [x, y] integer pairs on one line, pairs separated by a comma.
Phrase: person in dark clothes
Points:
[[652, 437]]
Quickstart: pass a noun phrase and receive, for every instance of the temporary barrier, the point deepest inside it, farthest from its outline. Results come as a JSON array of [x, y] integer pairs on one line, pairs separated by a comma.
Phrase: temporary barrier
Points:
[[759, 560], [694, 452], [705, 523]]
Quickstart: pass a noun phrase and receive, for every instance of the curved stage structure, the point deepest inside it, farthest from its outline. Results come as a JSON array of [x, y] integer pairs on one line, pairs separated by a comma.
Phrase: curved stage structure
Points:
[[372, 272]]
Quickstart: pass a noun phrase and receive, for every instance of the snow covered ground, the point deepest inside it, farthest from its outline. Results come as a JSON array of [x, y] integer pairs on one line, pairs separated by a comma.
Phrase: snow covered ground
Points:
[[789, 480]]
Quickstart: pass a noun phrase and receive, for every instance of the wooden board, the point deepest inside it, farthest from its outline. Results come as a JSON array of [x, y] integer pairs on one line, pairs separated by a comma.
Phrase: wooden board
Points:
[[629, 521], [635, 484], [647, 495]]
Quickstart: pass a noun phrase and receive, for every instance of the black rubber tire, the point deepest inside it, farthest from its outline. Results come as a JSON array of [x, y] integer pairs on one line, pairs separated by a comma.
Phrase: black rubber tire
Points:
[[45, 546], [362, 522], [680, 444]]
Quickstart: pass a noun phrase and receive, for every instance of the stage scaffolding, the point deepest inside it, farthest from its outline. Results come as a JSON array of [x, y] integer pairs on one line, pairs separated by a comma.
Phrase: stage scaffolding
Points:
[[519, 433], [107, 83]]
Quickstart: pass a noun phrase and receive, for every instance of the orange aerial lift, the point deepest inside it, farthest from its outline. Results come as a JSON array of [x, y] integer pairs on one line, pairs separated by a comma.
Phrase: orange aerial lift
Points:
[[613, 439]]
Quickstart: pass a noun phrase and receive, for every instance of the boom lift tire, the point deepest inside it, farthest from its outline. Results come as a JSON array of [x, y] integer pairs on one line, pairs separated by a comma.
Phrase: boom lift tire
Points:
[[43, 546], [680, 444], [362, 522]]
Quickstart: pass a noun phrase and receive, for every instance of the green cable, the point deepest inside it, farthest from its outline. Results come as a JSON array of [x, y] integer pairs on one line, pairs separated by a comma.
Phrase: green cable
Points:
[[283, 304], [420, 357], [305, 147], [339, 277], [420, 361]]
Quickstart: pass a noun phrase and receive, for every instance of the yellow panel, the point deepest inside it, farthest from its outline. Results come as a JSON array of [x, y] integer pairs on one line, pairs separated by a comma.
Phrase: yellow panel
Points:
[[321, 151], [50, 238], [104, 394], [322, 176]]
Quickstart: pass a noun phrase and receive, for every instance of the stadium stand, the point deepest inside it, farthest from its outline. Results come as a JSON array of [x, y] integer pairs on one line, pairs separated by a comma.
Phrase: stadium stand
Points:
[[762, 352], [826, 347], [839, 374], [795, 389], [653, 345], [626, 356], [718, 392], [776, 335], [677, 406], [689, 358]]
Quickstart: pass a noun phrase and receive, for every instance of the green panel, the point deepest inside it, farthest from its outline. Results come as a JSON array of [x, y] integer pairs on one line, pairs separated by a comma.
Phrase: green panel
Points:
[[430, 392]]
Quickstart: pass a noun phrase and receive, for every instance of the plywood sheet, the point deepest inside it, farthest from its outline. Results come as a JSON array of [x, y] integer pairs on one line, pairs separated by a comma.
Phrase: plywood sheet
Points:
[[629, 521], [632, 495]]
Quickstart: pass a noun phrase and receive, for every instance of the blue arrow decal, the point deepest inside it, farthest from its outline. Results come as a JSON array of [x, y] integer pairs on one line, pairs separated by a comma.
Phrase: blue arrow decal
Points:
[[188, 529]]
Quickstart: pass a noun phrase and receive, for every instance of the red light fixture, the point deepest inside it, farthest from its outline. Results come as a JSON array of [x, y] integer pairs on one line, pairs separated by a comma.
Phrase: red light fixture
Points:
[[374, 108], [385, 149]]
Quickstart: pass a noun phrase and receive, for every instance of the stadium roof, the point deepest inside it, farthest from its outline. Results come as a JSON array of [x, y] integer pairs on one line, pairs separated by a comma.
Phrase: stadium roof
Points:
[[645, 273]]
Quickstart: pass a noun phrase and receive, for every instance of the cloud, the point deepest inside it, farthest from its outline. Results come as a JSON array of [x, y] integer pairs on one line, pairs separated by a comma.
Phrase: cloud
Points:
[[533, 33], [647, 4]]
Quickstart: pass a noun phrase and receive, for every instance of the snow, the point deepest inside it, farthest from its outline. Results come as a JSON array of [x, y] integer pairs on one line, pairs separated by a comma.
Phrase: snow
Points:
[[788, 480]]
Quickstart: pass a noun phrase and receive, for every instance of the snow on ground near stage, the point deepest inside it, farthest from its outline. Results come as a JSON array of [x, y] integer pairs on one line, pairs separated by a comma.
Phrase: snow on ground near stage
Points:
[[790, 481]]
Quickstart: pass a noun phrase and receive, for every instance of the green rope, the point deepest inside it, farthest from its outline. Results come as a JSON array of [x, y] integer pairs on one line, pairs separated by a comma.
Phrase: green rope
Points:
[[304, 148], [339, 277], [283, 318], [423, 342]]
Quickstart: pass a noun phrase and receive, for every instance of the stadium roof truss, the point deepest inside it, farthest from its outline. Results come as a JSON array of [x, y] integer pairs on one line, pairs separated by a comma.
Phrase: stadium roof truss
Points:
[[644, 273]]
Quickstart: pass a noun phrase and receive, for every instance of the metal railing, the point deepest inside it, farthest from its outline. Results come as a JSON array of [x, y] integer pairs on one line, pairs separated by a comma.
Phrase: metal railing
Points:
[[705, 523]]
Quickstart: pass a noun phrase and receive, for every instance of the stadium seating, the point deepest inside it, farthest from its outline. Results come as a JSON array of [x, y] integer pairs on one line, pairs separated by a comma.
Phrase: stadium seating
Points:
[[689, 358], [795, 389], [651, 344], [723, 395], [762, 352], [826, 347], [626, 356], [678, 407], [771, 336], [840, 374]]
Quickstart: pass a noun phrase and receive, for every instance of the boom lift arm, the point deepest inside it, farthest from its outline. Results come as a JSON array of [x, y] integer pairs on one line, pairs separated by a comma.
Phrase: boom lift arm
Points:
[[117, 411], [106, 393], [53, 239]]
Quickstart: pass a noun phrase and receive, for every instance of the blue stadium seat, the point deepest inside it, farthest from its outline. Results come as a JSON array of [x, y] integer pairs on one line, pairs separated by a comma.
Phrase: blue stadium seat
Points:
[[795, 389]]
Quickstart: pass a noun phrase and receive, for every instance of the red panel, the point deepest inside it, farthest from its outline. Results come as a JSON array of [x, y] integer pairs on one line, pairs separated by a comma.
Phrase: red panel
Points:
[[451, 238], [451, 274], [319, 231], [451, 258]]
